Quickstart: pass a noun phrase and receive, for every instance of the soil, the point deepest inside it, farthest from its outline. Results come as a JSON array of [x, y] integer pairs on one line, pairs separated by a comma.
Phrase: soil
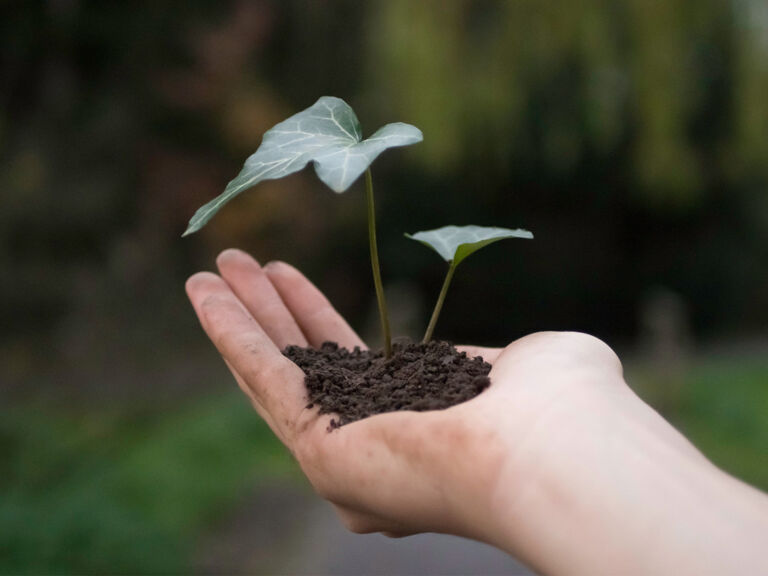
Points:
[[355, 384]]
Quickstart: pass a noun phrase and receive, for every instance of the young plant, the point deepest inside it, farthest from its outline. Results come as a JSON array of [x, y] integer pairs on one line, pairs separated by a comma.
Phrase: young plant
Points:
[[327, 134], [454, 244]]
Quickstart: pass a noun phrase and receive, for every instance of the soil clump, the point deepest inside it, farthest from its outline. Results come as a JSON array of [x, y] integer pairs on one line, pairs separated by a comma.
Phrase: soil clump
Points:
[[355, 384]]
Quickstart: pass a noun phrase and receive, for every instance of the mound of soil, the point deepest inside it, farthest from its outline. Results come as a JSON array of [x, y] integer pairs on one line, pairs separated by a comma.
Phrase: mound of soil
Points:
[[355, 384]]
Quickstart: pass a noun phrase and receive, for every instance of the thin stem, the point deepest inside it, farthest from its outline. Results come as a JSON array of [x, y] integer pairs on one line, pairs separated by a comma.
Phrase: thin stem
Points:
[[383, 315], [439, 304]]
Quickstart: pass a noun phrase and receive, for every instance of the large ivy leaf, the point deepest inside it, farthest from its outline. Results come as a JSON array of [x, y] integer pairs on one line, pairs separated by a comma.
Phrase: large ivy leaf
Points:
[[327, 134], [455, 243]]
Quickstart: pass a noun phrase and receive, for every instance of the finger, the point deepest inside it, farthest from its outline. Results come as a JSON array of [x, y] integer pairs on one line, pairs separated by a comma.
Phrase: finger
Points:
[[252, 286], [244, 387], [316, 317], [255, 401], [248, 392], [487, 354], [275, 382]]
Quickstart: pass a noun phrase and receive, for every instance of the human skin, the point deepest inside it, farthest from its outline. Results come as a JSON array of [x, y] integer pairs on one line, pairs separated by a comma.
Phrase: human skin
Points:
[[558, 462]]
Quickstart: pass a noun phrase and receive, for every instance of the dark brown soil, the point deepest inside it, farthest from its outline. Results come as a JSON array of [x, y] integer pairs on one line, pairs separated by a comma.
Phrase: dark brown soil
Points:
[[355, 384]]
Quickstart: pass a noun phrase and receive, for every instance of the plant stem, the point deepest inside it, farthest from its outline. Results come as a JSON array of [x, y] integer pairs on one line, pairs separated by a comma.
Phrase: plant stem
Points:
[[383, 315], [439, 304]]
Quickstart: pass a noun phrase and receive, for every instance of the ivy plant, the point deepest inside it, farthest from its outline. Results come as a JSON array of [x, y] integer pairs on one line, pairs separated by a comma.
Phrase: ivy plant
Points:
[[328, 135], [454, 244]]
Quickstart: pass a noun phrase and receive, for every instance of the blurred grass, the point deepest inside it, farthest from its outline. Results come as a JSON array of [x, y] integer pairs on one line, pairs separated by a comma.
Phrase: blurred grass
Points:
[[112, 492], [721, 405]]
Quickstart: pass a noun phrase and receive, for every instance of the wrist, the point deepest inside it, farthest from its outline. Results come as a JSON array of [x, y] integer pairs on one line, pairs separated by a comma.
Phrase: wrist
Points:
[[623, 492]]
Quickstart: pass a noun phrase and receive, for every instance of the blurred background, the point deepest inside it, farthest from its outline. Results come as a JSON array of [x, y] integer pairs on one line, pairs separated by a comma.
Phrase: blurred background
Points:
[[630, 137]]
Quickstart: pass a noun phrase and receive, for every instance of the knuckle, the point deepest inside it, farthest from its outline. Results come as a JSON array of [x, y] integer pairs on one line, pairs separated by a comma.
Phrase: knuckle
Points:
[[236, 345], [323, 313], [212, 302], [272, 308]]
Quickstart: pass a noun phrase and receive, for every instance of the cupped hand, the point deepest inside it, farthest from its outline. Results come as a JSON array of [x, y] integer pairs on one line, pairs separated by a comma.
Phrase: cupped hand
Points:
[[557, 462], [405, 472]]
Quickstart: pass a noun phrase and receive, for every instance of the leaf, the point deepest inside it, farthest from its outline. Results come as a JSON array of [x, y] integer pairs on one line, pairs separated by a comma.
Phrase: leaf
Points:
[[327, 134], [455, 243]]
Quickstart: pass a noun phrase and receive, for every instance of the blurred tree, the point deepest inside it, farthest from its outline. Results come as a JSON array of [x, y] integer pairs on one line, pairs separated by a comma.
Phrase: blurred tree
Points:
[[631, 137], [660, 105]]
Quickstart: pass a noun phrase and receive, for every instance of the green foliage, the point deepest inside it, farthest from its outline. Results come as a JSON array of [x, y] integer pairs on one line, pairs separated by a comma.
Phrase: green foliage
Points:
[[720, 404], [590, 76], [455, 243], [328, 134], [121, 493]]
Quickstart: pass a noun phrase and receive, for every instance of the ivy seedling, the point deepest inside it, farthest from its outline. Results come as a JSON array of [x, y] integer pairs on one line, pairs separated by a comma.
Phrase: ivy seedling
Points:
[[454, 244], [327, 134], [428, 376]]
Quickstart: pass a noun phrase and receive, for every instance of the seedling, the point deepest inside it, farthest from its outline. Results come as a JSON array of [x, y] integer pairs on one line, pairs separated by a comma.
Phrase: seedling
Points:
[[454, 244], [328, 134]]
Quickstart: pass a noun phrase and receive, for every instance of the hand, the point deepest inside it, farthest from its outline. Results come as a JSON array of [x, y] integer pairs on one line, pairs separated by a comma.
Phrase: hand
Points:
[[552, 436], [400, 472], [251, 313]]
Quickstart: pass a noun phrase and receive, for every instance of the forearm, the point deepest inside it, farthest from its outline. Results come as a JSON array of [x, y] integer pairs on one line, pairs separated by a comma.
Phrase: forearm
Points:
[[627, 495]]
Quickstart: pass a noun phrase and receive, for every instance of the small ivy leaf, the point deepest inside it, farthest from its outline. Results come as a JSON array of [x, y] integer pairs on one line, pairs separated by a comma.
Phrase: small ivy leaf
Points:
[[327, 134], [455, 243]]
